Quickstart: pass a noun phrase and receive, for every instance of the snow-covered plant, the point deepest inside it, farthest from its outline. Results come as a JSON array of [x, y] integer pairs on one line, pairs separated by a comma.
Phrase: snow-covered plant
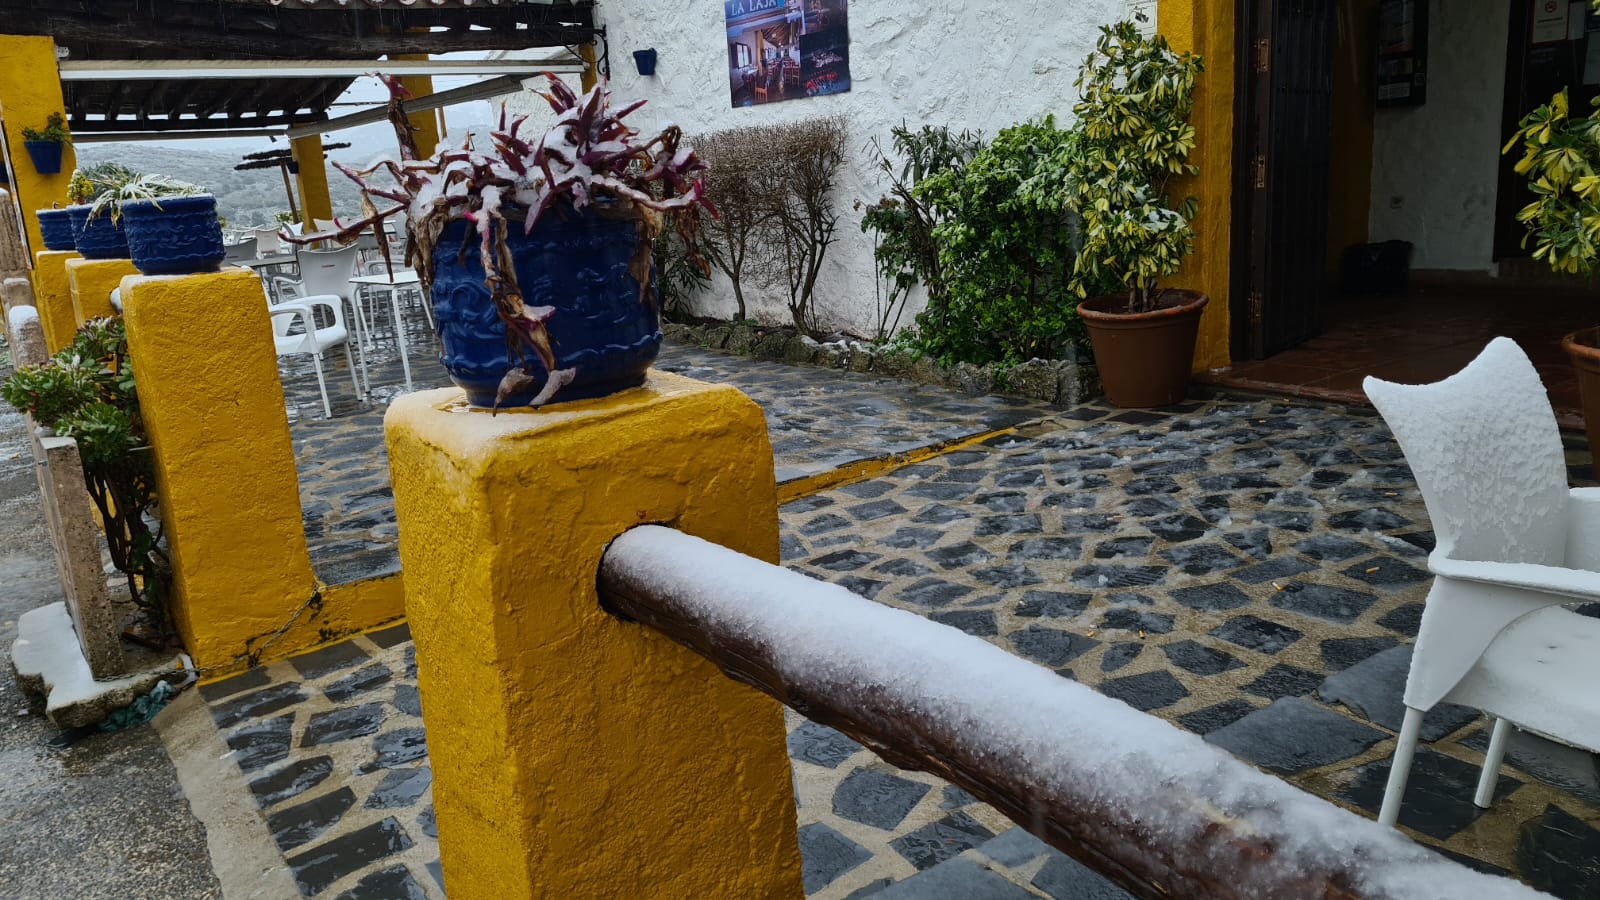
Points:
[[586, 155], [1135, 96], [140, 187]]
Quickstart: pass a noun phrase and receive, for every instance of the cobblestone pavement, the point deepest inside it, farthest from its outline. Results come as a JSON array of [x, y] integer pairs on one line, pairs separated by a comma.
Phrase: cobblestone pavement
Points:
[[1252, 570], [818, 420]]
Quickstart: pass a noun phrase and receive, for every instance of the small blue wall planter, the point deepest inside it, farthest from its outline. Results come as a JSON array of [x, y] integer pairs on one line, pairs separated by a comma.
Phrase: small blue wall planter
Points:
[[576, 262], [174, 235], [55, 225], [646, 61], [46, 156], [99, 237]]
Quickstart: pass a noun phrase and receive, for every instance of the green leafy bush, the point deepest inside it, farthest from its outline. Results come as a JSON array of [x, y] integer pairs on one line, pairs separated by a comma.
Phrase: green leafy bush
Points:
[[86, 392], [902, 224], [1135, 97], [1561, 160], [54, 131], [1005, 238]]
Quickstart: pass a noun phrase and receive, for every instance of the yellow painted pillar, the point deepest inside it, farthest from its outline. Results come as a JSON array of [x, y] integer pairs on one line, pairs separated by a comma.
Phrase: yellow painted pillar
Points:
[[207, 376], [311, 180], [1206, 27], [591, 72], [91, 282], [576, 755], [52, 294], [30, 90]]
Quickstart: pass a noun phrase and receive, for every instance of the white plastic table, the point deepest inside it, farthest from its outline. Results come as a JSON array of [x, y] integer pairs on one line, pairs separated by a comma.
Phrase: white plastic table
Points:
[[392, 284]]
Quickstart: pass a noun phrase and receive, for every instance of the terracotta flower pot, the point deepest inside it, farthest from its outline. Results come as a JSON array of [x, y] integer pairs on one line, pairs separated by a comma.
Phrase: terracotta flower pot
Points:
[[1583, 347], [1144, 358]]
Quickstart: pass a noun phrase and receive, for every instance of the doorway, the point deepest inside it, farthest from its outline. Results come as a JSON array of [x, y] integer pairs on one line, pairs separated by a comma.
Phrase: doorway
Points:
[[1377, 125]]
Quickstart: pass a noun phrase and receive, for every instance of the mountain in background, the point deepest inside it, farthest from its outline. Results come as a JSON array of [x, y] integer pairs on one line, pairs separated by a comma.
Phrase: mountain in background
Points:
[[253, 197]]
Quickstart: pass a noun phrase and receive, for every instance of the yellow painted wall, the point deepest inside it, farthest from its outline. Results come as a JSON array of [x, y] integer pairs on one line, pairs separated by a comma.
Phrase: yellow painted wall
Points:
[[30, 90], [91, 282], [575, 755], [311, 180], [1350, 176], [52, 294], [1206, 27], [230, 500]]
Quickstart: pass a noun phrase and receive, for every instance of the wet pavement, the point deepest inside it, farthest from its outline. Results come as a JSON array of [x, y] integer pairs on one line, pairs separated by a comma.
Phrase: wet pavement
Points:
[[1249, 569], [81, 815]]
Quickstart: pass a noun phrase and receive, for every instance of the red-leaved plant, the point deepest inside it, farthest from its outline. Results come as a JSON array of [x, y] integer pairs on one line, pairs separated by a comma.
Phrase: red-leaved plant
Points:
[[586, 154]]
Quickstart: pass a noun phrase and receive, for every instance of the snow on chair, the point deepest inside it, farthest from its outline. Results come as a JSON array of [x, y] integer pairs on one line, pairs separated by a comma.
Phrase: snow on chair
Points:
[[311, 339], [1514, 544]]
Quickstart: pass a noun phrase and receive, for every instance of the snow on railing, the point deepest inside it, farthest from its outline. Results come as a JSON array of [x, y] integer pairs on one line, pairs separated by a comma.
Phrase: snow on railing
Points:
[[1148, 805]]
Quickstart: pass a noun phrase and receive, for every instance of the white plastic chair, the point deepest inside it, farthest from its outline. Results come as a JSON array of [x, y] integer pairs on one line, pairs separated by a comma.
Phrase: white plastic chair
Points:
[[268, 242], [1513, 544], [245, 249], [313, 340]]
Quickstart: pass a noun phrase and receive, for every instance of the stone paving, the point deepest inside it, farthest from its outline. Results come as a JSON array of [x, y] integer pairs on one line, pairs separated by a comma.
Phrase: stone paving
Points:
[[1249, 569], [817, 424]]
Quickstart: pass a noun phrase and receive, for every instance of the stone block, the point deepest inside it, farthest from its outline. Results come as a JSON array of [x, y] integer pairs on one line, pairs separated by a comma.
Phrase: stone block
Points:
[[716, 337], [741, 338], [70, 515], [26, 334], [14, 292], [1036, 379], [571, 739], [51, 669]]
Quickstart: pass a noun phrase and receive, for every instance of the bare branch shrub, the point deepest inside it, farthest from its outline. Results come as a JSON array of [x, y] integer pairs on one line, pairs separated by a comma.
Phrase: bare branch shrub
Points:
[[803, 218], [773, 186]]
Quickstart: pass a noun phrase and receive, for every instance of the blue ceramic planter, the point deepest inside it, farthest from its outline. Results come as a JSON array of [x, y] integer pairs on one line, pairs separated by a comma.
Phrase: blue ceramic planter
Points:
[[46, 156], [56, 227], [174, 235], [97, 238], [578, 264]]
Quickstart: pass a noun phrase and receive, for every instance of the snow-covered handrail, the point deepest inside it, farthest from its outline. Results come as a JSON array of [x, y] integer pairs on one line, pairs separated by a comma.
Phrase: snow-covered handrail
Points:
[[1148, 805]]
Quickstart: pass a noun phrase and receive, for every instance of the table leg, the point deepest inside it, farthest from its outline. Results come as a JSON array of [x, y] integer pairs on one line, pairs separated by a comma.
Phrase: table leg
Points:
[[400, 333]]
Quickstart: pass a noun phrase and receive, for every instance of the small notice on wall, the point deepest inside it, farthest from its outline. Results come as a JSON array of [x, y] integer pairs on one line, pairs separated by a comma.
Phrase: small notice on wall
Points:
[[1549, 21], [1402, 76], [786, 49], [1143, 14]]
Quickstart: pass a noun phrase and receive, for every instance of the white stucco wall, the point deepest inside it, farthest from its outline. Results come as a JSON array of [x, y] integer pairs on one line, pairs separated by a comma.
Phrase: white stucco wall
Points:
[[1442, 159], [980, 64]]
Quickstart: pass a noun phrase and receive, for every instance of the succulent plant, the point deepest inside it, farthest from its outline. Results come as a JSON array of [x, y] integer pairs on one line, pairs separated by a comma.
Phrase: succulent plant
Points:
[[587, 155]]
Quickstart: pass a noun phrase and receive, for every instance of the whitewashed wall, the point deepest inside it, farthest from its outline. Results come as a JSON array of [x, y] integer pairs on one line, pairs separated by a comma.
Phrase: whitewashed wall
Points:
[[1442, 159], [980, 64]]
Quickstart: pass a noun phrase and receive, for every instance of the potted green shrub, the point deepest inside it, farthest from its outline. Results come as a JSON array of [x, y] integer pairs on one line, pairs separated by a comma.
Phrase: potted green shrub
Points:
[[44, 145], [97, 236], [537, 250], [171, 226], [1135, 97], [1561, 160]]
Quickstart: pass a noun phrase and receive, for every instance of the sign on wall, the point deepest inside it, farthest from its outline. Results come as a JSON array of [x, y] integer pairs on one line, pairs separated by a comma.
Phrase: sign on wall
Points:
[[786, 49]]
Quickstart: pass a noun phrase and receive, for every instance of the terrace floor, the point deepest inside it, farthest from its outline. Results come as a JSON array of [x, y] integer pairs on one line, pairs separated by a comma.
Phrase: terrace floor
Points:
[[1250, 569]]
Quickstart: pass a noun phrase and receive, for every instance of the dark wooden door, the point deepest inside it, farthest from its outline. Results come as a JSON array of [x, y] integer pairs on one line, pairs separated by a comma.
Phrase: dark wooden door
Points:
[[1286, 76]]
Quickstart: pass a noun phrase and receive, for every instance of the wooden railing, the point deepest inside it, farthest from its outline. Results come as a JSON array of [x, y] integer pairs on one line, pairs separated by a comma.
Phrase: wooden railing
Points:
[[1149, 806]]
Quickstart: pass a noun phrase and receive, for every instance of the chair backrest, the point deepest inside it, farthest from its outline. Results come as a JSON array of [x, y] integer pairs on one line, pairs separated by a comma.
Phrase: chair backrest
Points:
[[324, 224], [267, 240], [1486, 452], [328, 271], [245, 249]]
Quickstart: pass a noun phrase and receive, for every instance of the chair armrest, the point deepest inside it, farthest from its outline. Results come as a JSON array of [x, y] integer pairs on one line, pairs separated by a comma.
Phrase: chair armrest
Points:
[[1579, 584], [1583, 529]]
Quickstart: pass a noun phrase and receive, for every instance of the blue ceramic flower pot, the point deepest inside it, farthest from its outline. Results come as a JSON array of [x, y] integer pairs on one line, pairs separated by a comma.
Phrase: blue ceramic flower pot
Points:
[[602, 327], [99, 237], [56, 227], [46, 156], [174, 235]]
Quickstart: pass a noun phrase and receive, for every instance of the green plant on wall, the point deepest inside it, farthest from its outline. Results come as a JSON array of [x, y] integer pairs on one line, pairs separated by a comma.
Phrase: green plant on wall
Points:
[[86, 392], [54, 131], [904, 248], [1135, 97], [1005, 251], [1561, 160]]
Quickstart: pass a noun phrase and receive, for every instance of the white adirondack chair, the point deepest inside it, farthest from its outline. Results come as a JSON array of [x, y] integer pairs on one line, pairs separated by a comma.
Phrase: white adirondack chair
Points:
[[1514, 544]]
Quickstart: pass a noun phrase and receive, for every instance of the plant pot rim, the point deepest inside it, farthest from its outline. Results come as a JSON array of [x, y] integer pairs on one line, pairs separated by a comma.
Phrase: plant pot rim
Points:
[[1188, 302], [1584, 342], [156, 202], [67, 210]]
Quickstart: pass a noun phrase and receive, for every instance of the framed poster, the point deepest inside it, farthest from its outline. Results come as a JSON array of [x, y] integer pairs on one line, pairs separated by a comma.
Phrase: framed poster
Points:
[[786, 49], [1402, 76]]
